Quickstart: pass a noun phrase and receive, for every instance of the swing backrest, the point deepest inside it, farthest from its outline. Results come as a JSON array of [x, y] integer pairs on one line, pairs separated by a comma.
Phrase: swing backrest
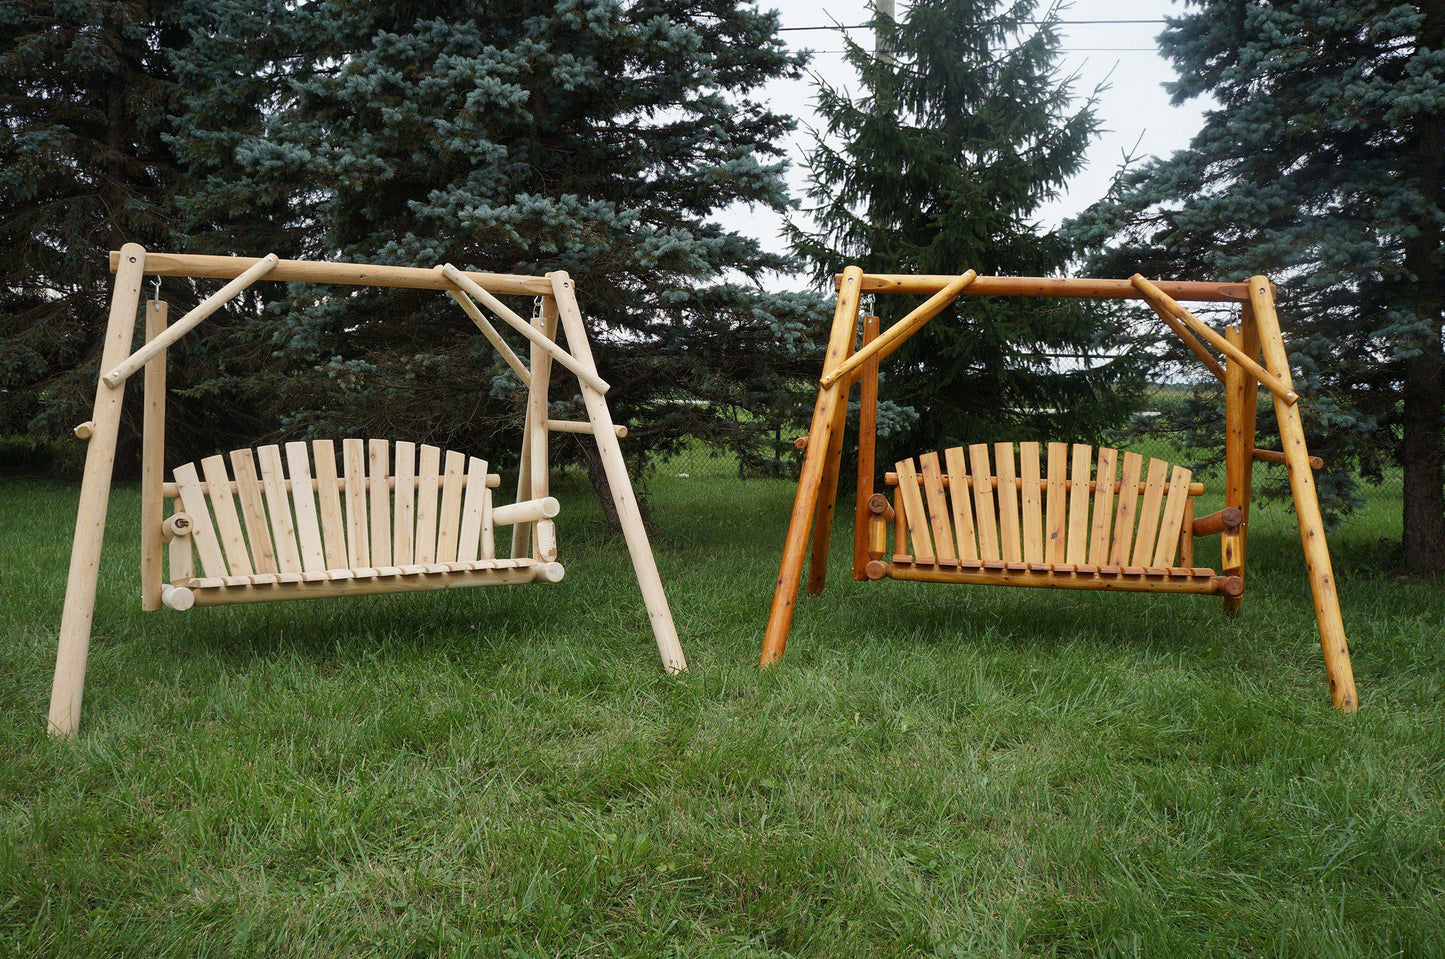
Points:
[[298, 517], [1065, 512]]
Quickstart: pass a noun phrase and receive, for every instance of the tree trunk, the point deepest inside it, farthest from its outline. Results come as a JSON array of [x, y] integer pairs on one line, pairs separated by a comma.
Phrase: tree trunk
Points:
[[1423, 450], [597, 476]]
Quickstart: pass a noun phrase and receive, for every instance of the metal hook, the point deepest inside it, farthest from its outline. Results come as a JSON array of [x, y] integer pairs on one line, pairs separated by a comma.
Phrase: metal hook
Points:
[[156, 299], [537, 307]]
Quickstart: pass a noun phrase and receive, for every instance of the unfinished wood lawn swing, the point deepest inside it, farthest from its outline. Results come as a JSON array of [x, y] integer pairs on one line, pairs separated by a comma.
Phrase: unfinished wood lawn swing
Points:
[[1064, 517], [289, 523]]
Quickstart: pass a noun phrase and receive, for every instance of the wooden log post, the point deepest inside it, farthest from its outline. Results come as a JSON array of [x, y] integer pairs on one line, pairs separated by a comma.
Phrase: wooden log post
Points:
[[539, 465], [828, 493], [1306, 504], [610, 451], [153, 465], [75, 620], [867, 445], [810, 480], [1241, 398]]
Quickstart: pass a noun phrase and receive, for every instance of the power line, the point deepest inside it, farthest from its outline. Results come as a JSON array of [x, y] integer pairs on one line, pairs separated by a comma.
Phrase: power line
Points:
[[1029, 23]]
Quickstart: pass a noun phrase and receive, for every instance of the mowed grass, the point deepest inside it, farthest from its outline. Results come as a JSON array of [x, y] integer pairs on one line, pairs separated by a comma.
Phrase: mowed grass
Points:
[[930, 771]]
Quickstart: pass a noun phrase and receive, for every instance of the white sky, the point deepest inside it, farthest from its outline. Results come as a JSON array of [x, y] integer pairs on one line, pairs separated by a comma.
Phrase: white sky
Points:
[[1135, 108]]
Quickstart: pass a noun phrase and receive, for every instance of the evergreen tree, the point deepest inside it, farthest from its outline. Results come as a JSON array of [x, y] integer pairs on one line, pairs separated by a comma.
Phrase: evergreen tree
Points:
[[1322, 167], [85, 92], [594, 136], [962, 130]]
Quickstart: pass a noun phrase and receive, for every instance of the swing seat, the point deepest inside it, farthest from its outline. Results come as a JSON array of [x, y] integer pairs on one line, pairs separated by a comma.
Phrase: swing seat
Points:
[[1078, 525], [391, 521]]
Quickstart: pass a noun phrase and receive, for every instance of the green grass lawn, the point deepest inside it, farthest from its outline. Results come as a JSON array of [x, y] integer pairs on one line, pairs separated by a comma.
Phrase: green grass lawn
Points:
[[930, 770]]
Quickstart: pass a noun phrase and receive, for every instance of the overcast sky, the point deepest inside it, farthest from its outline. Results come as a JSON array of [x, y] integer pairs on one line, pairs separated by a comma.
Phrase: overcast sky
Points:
[[1134, 109]]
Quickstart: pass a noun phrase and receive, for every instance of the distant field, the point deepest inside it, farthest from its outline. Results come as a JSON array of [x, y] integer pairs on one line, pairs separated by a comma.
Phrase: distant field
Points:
[[930, 771]]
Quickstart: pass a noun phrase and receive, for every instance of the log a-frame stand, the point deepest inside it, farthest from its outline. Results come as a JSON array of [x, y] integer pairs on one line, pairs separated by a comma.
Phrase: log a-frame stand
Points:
[[1078, 524], [415, 517]]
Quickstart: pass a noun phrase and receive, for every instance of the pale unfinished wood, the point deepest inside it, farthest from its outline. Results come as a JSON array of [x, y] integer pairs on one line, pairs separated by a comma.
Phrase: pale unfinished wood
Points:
[[1055, 511], [278, 505], [358, 538], [303, 498], [73, 649], [1010, 543], [469, 539], [201, 266], [379, 508], [957, 463], [403, 549], [203, 534], [985, 518], [427, 493], [538, 450], [1103, 509], [488, 547], [328, 493], [937, 502], [581, 426], [1077, 550], [228, 524], [1033, 502], [253, 509], [449, 520], [155, 347], [1052, 286], [153, 465], [1144, 538], [920, 543]]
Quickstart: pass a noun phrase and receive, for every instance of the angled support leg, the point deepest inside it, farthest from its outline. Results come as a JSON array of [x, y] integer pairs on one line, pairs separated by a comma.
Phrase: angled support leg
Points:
[[828, 494], [810, 481], [1306, 503], [79, 611], [617, 479]]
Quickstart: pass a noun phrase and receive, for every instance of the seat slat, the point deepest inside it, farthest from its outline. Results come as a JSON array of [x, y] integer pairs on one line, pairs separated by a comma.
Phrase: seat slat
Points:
[[303, 498], [914, 515], [961, 501], [358, 540], [1054, 515], [1078, 543], [1103, 506], [278, 504], [1144, 538], [228, 524], [985, 518], [1010, 545], [203, 534], [469, 540], [1168, 544], [937, 502], [379, 510], [403, 549], [1122, 537], [1033, 506], [253, 509], [328, 494], [451, 513], [427, 490]]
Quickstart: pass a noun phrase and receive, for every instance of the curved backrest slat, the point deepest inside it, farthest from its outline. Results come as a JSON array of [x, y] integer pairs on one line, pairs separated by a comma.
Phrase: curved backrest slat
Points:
[[379, 511], [358, 539], [328, 496], [253, 510], [404, 505], [424, 506], [1085, 512], [203, 534], [303, 498], [228, 524]]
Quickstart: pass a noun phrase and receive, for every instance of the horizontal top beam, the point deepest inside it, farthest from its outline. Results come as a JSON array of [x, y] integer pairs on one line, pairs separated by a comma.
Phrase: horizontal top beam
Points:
[[1071, 287], [200, 266]]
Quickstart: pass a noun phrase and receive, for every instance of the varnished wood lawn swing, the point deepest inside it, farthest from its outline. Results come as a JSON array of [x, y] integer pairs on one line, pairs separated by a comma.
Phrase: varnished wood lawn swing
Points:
[[414, 518], [1065, 517]]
